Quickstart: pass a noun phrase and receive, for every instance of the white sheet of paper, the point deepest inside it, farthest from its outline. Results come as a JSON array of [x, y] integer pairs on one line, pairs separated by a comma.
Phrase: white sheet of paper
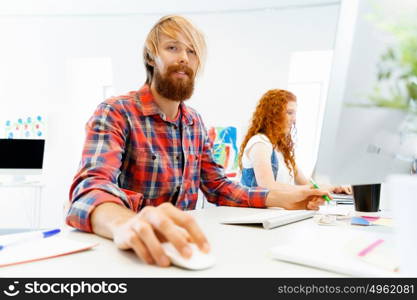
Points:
[[40, 249]]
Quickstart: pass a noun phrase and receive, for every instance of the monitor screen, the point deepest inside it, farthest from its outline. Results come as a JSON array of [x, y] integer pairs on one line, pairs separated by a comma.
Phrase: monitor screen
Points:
[[21, 154], [361, 143]]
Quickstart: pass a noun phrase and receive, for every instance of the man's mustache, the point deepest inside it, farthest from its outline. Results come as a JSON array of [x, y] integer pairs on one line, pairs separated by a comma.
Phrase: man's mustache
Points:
[[188, 71]]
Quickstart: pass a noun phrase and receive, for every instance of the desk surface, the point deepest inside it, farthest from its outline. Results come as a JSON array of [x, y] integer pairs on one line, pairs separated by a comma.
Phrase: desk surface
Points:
[[241, 251]]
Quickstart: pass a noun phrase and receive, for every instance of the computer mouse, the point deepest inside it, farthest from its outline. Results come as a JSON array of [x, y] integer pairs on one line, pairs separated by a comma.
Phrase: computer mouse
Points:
[[198, 260]]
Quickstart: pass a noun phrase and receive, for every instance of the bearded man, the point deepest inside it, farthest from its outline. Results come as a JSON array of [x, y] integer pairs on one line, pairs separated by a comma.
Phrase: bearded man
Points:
[[146, 155]]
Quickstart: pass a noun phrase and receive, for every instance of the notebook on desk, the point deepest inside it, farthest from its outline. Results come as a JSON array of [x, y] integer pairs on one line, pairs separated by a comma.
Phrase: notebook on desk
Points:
[[40, 249], [270, 218], [349, 252]]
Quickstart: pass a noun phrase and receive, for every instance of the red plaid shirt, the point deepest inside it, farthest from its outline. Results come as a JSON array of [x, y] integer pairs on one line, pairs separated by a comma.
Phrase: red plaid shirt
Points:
[[129, 158]]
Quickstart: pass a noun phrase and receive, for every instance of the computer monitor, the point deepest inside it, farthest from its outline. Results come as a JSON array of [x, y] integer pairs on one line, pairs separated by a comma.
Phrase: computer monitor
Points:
[[360, 144], [20, 158]]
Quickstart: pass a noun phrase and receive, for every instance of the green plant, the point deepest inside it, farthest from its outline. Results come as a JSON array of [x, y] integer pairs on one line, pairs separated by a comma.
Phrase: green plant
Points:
[[397, 69]]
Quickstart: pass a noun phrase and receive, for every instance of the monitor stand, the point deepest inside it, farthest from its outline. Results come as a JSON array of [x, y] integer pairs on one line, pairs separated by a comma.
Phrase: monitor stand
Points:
[[19, 180]]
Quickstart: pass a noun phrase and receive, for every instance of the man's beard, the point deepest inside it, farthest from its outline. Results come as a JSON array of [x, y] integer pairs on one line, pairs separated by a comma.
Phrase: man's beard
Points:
[[175, 89]]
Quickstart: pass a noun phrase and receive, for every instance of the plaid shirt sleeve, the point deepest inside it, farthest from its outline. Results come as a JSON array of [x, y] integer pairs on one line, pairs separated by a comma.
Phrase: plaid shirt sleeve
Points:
[[96, 179], [219, 189]]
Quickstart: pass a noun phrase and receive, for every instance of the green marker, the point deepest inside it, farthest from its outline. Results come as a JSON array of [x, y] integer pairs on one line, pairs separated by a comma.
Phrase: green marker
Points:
[[325, 197]]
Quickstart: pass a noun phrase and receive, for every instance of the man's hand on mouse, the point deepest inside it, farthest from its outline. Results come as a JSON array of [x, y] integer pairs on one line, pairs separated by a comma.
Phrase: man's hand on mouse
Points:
[[145, 231]]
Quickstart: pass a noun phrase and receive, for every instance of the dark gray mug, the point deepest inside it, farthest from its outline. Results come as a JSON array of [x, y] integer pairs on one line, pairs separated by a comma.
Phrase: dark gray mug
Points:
[[366, 197]]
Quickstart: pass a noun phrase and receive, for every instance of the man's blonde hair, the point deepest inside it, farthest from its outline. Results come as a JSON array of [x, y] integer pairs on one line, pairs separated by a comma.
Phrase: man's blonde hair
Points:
[[171, 26]]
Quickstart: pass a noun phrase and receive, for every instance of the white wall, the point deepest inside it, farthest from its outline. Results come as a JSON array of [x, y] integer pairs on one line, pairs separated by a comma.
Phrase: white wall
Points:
[[248, 53]]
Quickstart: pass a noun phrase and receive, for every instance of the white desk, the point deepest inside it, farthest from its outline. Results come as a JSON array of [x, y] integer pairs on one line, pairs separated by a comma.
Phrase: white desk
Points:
[[241, 251]]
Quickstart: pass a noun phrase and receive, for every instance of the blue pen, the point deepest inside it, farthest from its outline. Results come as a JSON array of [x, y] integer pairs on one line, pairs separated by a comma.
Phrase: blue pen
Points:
[[30, 237]]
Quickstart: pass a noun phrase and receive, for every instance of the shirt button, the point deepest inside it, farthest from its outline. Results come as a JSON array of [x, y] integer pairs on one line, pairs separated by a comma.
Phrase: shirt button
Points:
[[153, 157], [177, 157]]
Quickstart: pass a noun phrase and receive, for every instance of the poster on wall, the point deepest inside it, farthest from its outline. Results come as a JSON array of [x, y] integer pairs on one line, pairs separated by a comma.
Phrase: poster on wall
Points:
[[25, 127], [225, 148]]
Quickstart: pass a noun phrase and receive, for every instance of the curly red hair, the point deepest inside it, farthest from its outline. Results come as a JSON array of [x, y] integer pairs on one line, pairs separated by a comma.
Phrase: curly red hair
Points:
[[270, 118]]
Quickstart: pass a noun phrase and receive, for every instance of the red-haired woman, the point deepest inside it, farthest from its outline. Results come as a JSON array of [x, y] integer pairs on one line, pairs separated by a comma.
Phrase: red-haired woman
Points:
[[266, 155]]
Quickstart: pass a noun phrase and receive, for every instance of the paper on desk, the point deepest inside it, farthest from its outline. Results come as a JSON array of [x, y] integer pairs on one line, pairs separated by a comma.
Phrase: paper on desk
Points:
[[335, 250], [40, 249], [336, 210], [375, 251], [369, 221], [384, 221]]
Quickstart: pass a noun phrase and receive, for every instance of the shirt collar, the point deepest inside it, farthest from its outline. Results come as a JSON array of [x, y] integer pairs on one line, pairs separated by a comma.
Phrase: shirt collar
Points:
[[149, 106]]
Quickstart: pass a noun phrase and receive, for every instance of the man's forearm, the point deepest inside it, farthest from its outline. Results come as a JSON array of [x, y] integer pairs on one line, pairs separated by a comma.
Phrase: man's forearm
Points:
[[288, 197], [108, 215], [274, 199]]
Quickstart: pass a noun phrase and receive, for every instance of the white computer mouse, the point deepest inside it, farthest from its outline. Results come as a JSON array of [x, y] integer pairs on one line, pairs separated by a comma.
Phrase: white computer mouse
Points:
[[198, 261]]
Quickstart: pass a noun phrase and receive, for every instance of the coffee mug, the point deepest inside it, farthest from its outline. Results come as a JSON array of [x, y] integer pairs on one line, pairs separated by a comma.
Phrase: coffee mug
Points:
[[366, 197]]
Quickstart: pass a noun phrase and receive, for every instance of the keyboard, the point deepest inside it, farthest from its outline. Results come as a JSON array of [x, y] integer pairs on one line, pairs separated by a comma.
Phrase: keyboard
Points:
[[271, 218], [343, 198]]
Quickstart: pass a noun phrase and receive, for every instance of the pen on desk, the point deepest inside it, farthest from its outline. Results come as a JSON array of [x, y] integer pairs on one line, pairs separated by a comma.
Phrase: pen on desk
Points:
[[315, 185], [30, 237]]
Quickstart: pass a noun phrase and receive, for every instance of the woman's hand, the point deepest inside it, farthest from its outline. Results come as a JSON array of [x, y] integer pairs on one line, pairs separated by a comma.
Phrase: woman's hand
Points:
[[343, 189]]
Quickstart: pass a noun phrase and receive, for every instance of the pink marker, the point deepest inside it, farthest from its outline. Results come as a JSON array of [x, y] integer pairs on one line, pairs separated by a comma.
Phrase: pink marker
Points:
[[370, 247]]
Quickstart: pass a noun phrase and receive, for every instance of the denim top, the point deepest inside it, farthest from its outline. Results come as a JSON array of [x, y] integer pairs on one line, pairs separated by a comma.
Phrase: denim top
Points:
[[248, 174]]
